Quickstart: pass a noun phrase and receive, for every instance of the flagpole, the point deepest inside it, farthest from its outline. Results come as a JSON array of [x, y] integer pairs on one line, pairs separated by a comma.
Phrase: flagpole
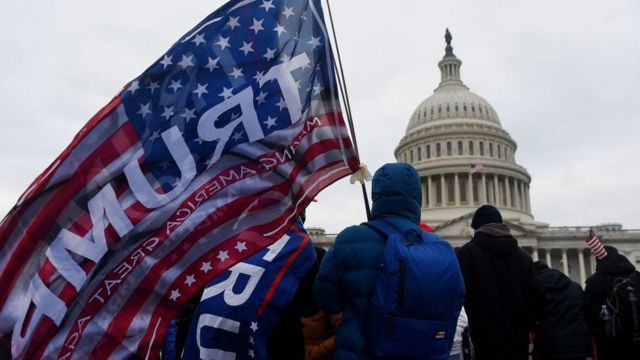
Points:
[[342, 85]]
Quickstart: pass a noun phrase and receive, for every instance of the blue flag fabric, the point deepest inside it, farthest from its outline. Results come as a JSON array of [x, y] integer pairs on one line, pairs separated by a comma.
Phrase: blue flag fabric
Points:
[[239, 309]]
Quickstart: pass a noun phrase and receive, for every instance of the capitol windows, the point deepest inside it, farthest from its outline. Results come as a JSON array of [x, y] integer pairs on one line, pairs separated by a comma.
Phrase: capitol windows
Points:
[[439, 109], [428, 151], [471, 150], [499, 152], [464, 107], [481, 148], [473, 108], [456, 107], [449, 150], [419, 153], [438, 185], [411, 155], [491, 149], [460, 148], [438, 150]]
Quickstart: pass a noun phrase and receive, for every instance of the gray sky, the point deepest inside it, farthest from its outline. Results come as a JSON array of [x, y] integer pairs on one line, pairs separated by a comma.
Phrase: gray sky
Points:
[[562, 75]]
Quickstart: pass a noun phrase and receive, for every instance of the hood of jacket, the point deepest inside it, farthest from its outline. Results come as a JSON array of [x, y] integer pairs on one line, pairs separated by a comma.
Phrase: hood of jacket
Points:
[[397, 195], [553, 279], [495, 237], [614, 263]]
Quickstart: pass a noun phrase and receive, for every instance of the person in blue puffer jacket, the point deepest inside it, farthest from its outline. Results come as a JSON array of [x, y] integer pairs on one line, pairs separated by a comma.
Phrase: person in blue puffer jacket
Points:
[[348, 272]]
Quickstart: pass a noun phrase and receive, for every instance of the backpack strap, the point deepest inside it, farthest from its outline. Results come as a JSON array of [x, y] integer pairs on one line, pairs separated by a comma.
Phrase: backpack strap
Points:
[[383, 227]]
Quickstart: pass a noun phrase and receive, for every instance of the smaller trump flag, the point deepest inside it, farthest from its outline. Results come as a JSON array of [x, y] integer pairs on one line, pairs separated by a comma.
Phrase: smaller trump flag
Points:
[[201, 161], [239, 310]]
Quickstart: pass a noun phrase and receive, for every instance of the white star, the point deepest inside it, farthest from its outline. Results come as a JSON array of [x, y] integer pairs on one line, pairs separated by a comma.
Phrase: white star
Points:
[[315, 41], [254, 326], [246, 47], [241, 246], [199, 39], [186, 61], [168, 112], [233, 22], [281, 104], [155, 135], [285, 58], [298, 84], [144, 109], [317, 89], [202, 89], [175, 294], [261, 97], [251, 353], [288, 11], [270, 54], [212, 64], [153, 86], [236, 73], [223, 42], [236, 137], [223, 255], [226, 93], [135, 85], [267, 5], [251, 340], [257, 25], [190, 279], [175, 85], [166, 61], [259, 76], [304, 15], [270, 122], [189, 114], [206, 266], [280, 29]]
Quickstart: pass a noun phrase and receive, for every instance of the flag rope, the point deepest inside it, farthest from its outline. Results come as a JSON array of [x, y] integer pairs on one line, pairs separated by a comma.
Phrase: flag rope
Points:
[[342, 85]]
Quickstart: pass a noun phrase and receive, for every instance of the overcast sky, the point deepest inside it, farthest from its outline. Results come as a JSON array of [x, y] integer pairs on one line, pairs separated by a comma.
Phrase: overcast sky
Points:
[[562, 75]]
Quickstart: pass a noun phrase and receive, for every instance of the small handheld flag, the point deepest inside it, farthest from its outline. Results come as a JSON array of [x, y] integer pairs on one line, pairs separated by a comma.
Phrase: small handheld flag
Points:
[[595, 245]]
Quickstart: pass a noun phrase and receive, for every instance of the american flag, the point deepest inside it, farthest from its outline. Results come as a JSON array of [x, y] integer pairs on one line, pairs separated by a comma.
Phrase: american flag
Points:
[[201, 161], [474, 168], [595, 245]]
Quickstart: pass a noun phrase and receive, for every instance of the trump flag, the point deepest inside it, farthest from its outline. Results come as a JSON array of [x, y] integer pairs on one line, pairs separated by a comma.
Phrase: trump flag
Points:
[[238, 311], [203, 160]]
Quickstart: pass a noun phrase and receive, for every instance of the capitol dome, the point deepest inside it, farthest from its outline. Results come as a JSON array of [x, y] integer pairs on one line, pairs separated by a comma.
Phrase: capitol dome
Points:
[[464, 156]]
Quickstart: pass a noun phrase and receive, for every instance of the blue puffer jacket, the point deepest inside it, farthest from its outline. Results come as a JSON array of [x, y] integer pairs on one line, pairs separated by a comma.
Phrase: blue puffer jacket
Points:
[[348, 272]]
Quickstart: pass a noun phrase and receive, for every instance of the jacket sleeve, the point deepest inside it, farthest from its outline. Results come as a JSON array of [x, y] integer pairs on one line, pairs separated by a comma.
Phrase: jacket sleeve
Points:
[[326, 289]]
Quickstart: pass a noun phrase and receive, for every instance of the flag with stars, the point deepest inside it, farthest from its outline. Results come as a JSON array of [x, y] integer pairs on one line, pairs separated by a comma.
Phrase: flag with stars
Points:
[[204, 159], [239, 310]]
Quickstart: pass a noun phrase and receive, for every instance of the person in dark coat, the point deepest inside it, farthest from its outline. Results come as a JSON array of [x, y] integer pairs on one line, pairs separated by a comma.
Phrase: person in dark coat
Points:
[[610, 267], [348, 272], [561, 332], [502, 291]]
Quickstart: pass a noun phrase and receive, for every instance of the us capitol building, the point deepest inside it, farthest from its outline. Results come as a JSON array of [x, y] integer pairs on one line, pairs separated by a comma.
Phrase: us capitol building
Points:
[[454, 129]]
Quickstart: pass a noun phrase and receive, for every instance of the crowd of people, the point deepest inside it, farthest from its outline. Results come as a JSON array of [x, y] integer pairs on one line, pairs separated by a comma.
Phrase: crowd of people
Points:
[[487, 300]]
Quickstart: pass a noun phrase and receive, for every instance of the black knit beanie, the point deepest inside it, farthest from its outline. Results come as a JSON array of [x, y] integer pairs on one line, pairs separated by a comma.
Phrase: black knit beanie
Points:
[[485, 214]]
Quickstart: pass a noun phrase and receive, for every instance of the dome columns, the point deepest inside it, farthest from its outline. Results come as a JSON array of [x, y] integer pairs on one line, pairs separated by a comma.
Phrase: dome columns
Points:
[[459, 189]]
